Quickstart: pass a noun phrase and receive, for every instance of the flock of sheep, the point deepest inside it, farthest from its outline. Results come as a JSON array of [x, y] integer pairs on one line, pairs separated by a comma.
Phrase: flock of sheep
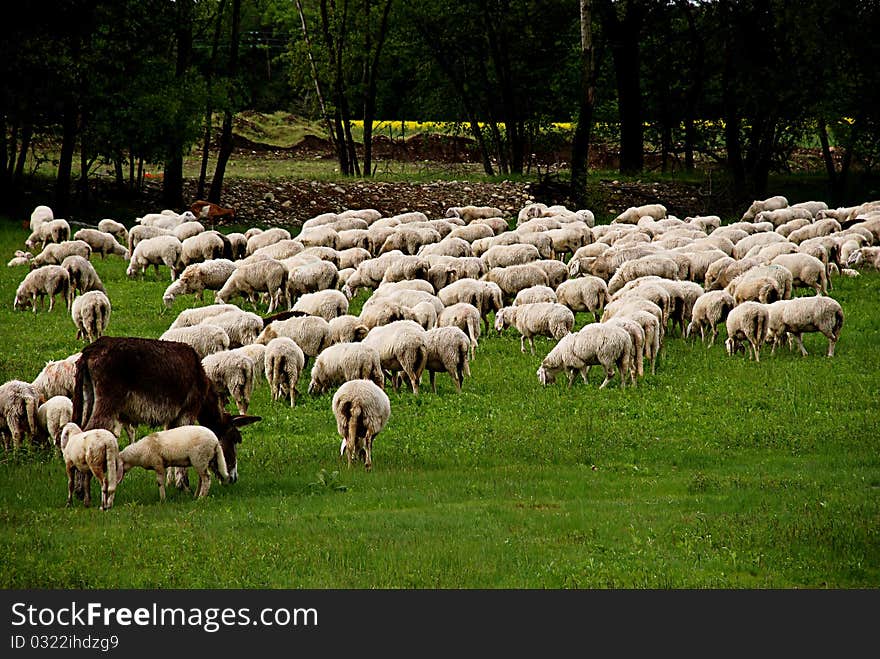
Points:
[[436, 286]]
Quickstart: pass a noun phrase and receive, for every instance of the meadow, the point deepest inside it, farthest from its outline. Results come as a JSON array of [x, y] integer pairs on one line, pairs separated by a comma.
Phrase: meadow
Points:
[[717, 472]]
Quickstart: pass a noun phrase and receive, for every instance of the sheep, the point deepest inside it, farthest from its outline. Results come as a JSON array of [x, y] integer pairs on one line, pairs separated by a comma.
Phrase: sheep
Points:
[[203, 246], [115, 229], [629, 304], [813, 207], [556, 271], [352, 257], [83, 276], [562, 357], [632, 214], [204, 338], [471, 232], [91, 453], [327, 304], [45, 281], [769, 204], [232, 374], [471, 213], [486, 296], [502, 256], [868, 256], [20, 258], [101, 243], [369, 215], [467, 318], [537, 319], [242, 327], [91, 315], [355, 238], [425, 314], [710, 309], [639, 344], [52, 416], [407, 267], [55, 253], [806, 314], [654, 265], [807, 271], [140, 233], [311, 333], [256, 352], [747, 321], [238, 244], [19, 402], [369, 274], [347, 328], [261, 276], [514, 278], [323, 236], [383, 311], [785, 229], [535, 294], [56, 378], [279, 250], [196, 315], [39, 215], [183, 446], [757, 289], [599, 344], [766, 253], [362, 410], [445, 269], [780, 216], [450, 246], [401, 347], [814, 230], [569, 238], [284, 363], [408, 239], [265, 238], [345, 361], [720, 273], [781, 275], [161, 250], [197, 277], [406, 296], [448, 352], [312, 277], [50, 231]]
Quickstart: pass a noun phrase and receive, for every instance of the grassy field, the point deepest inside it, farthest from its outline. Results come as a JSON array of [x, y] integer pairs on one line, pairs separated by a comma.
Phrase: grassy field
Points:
[[716, 472]]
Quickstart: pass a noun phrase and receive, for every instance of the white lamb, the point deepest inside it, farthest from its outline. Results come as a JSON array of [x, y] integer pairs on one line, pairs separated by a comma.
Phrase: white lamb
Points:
[[248, 280], [45, 281], [55, 253], [91, 315], [242, 327], [362, 410], [198, 277], [401, 347], [19, 402], [747, 322], [184, 446], [538, 319], [57, 378], [465, 317], [328, 304], [587, 293], [102, 243], [52, 416], [342, 362], [115, 229], [284, 363], [232, 374], [710, 310], [161, 250], [91, 453]]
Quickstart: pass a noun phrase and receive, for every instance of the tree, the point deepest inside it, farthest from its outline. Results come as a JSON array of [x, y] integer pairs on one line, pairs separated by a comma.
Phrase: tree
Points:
[[580, 147], [226, 143]]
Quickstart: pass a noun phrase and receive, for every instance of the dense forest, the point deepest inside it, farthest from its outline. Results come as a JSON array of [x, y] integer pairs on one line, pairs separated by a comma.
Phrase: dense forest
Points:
[[123, 83]]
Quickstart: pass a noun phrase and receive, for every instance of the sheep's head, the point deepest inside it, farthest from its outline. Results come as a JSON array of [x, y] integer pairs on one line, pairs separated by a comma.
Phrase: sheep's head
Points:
[[546, 376], [68, 430], [503, 318]]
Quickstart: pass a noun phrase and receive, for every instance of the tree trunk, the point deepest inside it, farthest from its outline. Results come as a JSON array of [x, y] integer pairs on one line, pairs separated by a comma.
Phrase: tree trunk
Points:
[[580, 145], [226, 144], [371, 76], [84, 164], [27, 135], [172, 179], [314, 69], [209, 104], [65, 159]]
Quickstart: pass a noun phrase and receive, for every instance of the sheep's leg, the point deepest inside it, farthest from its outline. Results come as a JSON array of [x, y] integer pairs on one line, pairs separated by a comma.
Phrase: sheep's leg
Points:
[[832, 341], [522, 343], [609, 374], [572, 374], [368, 452], [87, 489], [755, 350], [204, 483], [292, 397], [160, 481], [71, 479], [431, 374], [532, 344], [800, 344]]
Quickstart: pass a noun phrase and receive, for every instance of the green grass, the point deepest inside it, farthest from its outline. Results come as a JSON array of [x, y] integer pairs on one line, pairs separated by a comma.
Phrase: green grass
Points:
[[715, 473]]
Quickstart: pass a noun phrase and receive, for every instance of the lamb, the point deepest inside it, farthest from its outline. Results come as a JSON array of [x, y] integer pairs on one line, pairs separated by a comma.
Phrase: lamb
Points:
[[183, 446], [807, 271], [747, 321], [115, 229], [52, 416], [710, 309], [284, 363], [448, 352], [806, 314], [19, 402], [327, 304], [57, 378], [204, 338], [91, 453], [101, 243], [20, 258], [401, 347], [259, 277], [242, 327], [868, 256], [196, 315], [265, 238], [55, 253], [466, 317], [311, 333], [596, 344], [50, 231], [502, 256], [535, 294], [47, 280], [347, 329], [91, 314], [83, 276], [345, 361], [197, 277], [232, 374], [161, 250], [538, 319], [769, 204], [513, 279], [362, 410]]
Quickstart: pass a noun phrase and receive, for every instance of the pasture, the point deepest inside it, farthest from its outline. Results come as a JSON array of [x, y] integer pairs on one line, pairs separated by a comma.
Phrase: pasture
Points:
[[717, 472]]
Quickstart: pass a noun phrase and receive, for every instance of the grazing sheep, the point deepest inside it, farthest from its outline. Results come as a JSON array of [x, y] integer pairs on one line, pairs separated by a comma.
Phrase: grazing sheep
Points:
[[807, 271], [196, 315], [362, 410], [83, 276], [772, 203], [91, 314], [328, 304], [347, 329], [538, 319], [19, 402], [486, 296], [57, 378], [556, 271], [55, 253], [560, 358], [242, 327], [232, 374], [47, 280], [49, 231], [654, 265], [264, 238], [188, 229], [198, 277], [409, 239], [464, 316], [637, 336], [115, 229], [305, 278], [448, 352], [814, 230], [747, 321], [369, 274], [91, 453], [762, 238], [535, 294], [161, 250], [52, 416], [806, 314], [204, 338], [471, 213], [471, 232], [182, 447], [587, 293], [513, 279], [744, 288], [710, 310], [406, 267], [342, 362], [311, 333], [284, 363], [632, 214], [597, 344], [39, 215], [256, 352], [401, 347], [101, 243], [259, 277], [203, 246], [502, 256], [140, 233]]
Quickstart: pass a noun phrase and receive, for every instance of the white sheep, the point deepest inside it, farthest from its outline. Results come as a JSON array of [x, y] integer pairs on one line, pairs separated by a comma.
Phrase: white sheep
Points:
[[597, 344], [232, 374], [183, 446], [561, 357], [264, 238], [537, 319], [466, 317], [101, 242], [45, 281], [586, 293], [248, 280], [188, 229], [771, 203], [203, 246], [161, 250], [20, 258], [115, 229], [49, 231], [448, 352], [91, 315], [196, 278], [55, 253], [806, 314], [327, 304], [747, 321], [347, 329], [535, 294], [511, 280], [744, 286], [284, 363], [401, 347], [57, 378], [807, 271], [52, 416], [39, 215], [362, 410], [242, 327], [91, 453], [256, 352], [140, 233], [204, 338], [710, 310], [639, 344], [632, 214], [311, 333], [502, 256], [196, 315], [345, 361], [19, 402], [471, 213], [83, 276], [310, 277]]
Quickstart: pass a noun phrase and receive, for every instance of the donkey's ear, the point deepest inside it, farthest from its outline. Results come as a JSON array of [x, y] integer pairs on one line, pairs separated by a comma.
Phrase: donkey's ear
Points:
[[241, 420]]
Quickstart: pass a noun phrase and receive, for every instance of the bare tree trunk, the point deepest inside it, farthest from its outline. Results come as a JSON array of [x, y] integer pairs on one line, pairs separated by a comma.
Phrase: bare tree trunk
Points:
[[371, 68], [580, 146], [172, 180], [27, 135], [314, 69], [65, 159], [226, 144], [209, 105]]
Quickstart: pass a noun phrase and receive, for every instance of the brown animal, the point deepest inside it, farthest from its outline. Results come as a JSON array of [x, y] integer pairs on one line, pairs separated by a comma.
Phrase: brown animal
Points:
[[207, 210]]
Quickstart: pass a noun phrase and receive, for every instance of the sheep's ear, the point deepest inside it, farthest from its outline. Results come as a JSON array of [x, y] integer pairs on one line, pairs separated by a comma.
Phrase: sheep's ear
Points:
[[241, 420]]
